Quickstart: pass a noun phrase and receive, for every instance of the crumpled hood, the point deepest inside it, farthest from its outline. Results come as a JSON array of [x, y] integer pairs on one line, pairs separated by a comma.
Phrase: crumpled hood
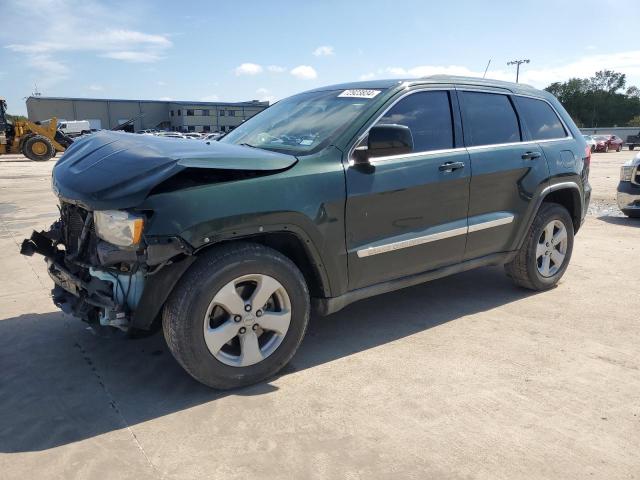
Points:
[[113, 170]]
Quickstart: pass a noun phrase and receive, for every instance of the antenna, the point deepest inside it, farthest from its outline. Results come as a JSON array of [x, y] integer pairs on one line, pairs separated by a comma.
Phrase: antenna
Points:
[[486, 68], [35, 93], [517, 63]]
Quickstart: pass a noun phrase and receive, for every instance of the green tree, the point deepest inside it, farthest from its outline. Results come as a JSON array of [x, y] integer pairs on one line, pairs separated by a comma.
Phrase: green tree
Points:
[[13, 118], [598, 101]]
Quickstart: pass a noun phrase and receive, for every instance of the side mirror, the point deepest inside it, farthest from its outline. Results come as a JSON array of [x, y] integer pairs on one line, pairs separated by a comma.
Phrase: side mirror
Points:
[[383, 141]]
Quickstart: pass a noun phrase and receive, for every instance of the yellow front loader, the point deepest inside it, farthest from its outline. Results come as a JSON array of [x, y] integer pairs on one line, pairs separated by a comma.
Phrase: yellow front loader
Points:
[[36, 142]]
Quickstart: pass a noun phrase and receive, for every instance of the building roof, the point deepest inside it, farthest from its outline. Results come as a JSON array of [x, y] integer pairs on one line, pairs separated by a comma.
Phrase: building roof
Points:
[[178, 102]]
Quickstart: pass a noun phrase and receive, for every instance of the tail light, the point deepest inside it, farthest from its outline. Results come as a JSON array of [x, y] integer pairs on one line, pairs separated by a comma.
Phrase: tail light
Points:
[[587, 156]]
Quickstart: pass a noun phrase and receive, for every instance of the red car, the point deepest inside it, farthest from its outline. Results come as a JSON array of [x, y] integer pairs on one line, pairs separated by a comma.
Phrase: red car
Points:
[[604, 143]]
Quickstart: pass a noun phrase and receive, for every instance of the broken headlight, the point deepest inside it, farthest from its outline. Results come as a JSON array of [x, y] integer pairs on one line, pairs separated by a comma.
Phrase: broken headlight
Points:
[[625, 173], [118, 227]]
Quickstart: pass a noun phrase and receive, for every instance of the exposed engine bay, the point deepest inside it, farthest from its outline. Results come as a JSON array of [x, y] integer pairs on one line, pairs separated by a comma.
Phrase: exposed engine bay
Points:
[[95, 280]]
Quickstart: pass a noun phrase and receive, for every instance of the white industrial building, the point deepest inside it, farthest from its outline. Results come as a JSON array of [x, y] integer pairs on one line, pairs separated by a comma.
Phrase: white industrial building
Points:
[[163, 115]]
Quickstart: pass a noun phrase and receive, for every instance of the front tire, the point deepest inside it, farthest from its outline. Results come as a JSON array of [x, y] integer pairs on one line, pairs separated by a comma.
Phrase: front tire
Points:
[[237, 316], [544, 256], [632, 213], [38, 148]]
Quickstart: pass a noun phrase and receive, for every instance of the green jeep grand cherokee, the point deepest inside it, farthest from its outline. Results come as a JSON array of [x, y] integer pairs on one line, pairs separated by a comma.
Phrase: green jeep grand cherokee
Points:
[[325, 198]]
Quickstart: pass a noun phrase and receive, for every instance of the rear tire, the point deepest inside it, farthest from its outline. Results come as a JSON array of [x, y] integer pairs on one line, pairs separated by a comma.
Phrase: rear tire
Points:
[[540, 263], [207, 325], [38, 148], [606, 148], [619, 149]]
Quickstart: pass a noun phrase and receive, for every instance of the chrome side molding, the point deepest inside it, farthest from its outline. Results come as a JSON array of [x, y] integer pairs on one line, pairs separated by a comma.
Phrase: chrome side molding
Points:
[[504, 219]]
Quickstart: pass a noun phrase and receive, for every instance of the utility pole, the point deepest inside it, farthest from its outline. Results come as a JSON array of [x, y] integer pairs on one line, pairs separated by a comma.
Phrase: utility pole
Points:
[[517, 63]]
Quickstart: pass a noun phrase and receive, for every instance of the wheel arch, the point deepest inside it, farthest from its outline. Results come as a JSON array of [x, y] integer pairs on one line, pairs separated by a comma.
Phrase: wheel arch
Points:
[[568, 195], [291, 244], [294, 245]]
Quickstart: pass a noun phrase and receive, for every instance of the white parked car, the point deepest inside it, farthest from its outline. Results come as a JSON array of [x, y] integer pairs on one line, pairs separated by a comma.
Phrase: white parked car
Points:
[[192, 135], [590, 141], [629, 188]]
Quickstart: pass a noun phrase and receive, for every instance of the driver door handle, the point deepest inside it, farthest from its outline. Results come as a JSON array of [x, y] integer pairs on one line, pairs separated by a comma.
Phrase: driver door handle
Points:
[[530, 155], [451, 166]]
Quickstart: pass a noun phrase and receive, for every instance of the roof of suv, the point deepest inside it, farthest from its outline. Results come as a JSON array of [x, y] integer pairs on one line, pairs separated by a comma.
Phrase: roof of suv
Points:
[[454, 79]]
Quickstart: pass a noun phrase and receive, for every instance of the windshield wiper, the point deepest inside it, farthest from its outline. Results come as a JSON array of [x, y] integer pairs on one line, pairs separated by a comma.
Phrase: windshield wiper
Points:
[[248, 145]]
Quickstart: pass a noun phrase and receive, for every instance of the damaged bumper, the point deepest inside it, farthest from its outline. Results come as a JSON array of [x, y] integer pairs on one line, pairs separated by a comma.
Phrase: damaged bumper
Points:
[[101, 283]]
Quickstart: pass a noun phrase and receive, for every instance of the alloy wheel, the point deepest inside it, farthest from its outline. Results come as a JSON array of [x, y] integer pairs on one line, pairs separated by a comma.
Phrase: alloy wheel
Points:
[[247, 320], [552, 248]]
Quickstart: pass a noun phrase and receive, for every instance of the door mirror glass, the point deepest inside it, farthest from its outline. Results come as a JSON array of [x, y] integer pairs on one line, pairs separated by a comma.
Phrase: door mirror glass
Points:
[[385, 140]]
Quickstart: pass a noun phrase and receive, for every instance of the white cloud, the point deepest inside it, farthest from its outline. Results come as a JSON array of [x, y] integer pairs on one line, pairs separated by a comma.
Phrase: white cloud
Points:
[[133, 56], [426, 70], [166, 99], [127, 45], [323, 51], [624, 62], [48, 70], [538, 76], [248, 69], [210, 98], [106, 40], [367, 76], [48, 35], [95, 88], [276, 69], [160, 83], [264, 95], [304, 72]]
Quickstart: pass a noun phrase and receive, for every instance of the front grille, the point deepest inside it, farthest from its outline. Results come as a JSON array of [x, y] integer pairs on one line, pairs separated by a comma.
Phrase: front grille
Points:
[[73, 221]]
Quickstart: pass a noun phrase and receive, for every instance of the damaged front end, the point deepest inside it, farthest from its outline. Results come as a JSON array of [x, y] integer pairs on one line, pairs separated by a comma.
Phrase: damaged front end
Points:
[[109, 260], [104, 283]]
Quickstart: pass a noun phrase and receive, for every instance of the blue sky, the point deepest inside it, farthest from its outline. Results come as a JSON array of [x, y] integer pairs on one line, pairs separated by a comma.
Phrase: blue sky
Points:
[[243, 50]]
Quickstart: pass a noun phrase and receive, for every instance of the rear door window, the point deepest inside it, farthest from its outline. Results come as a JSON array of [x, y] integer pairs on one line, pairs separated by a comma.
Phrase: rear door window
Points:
[[543, 123], [489, 118], [428, 116]]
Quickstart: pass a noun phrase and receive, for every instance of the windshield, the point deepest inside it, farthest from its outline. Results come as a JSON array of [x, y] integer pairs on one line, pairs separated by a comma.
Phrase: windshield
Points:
[[601, 137], [302, 124]]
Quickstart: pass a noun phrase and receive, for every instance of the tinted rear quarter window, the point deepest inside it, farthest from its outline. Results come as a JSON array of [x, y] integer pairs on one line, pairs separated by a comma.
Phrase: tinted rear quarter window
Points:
[[428, 116], [489, 118], [543, 123]]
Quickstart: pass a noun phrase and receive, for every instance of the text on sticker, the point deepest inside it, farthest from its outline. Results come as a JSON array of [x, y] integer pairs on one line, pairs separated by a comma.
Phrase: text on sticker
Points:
[[359, 93]]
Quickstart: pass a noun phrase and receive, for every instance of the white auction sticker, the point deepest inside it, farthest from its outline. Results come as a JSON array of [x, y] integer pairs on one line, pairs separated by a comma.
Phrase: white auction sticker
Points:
[[359, 93]]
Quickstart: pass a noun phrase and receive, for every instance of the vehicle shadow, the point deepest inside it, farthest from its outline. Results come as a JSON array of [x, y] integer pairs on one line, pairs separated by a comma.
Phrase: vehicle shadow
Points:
[[626, 221], [61, 382]]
